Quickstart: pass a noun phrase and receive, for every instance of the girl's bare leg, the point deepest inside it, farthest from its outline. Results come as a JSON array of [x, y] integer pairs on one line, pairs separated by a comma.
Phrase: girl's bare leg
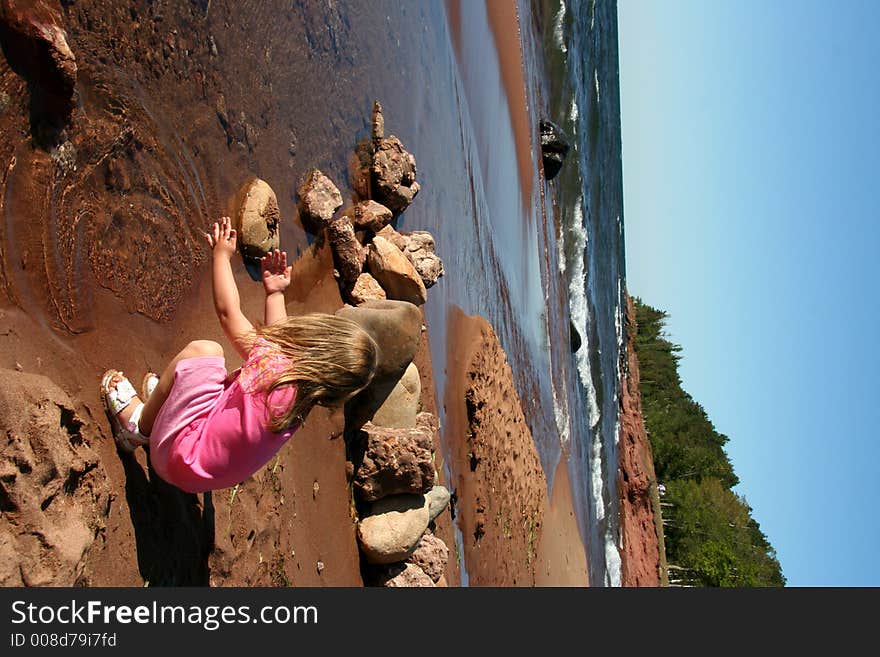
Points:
[[195, 349]]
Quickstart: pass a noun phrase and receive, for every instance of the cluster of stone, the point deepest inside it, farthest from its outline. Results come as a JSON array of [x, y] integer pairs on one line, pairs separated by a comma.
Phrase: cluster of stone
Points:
[[372, 260], [391, 449]]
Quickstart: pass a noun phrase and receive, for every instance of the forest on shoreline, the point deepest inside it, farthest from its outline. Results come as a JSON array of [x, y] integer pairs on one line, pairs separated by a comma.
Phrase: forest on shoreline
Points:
[[711, 537]]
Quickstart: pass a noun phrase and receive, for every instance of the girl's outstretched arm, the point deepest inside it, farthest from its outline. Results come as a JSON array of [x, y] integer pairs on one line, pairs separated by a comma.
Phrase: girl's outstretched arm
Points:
[[226, 300], [276, 278]]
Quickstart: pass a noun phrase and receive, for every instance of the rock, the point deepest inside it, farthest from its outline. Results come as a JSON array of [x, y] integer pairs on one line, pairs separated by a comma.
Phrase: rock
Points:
[[257, 219], [431, 555], [399, 407], [403, 575], [377, 125], [396, 327], [35, 44], [573, 336], [395, 272], [359, 163], [364, 289], [54, 495], [389, 403], [441, 583], [393, 528], [368, 215], [438, 499], [420, 252], [319, 199], [393, 236], [348, 254], [395, 461], [393, 175], [554, 148]]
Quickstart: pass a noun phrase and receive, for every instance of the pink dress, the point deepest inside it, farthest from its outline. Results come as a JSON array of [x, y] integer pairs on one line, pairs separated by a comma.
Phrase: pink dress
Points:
[[211, 431]]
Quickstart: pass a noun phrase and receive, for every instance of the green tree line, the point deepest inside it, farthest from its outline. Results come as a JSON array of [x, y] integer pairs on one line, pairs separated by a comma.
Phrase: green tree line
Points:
[[711, 537]]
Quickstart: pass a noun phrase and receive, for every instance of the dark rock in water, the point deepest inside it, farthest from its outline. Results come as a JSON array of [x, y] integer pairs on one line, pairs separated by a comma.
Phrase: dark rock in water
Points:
[[574, 336], [396, 327], [554, 148], [394, 175], [348, 254], [319, 199], [35, 45]]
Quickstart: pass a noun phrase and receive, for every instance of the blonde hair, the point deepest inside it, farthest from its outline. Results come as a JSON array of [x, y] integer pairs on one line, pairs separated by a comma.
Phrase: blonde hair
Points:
[[332, 359]]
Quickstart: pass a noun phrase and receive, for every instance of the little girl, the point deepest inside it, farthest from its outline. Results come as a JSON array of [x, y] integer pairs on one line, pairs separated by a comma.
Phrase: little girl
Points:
[[207, 429]]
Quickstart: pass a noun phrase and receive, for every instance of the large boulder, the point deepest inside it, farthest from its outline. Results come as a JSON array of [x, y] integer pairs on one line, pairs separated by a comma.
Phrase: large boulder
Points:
[[431, 556], [257, 219], [395, 272], [368, 215], [396, 326], [35, 43], [554, 148], [54, 495], [392, 529], [319, 199], [396, 461], [365, 288], [348, 254]]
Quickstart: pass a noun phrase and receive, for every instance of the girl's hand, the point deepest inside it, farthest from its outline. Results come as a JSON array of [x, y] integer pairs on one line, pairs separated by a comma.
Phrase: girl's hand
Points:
[[276, 272], [222, 240]]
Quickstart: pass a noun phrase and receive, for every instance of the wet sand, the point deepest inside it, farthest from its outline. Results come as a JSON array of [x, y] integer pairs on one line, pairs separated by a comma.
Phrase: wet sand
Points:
[[104, 263], [512, 534]]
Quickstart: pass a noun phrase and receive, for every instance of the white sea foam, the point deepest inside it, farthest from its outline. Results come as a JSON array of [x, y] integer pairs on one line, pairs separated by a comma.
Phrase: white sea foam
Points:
[[560, 413], [580, 310], [593, 14], [596, 82], [596, 476], [573, 113], [558, 24], [612, 560]]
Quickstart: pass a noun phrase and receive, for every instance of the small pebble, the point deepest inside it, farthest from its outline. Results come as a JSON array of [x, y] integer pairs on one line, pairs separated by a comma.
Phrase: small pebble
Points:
[[320, 567]]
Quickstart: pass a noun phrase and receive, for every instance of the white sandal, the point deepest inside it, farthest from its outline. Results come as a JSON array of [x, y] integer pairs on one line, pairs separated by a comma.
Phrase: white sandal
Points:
[[117, 399]]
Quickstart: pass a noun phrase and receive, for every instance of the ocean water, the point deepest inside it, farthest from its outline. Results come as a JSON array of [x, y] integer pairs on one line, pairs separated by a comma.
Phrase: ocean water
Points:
[[582, 96]]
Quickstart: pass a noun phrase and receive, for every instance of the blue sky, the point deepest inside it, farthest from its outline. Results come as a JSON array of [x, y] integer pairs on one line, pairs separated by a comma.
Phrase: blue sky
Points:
[[751, 153]]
